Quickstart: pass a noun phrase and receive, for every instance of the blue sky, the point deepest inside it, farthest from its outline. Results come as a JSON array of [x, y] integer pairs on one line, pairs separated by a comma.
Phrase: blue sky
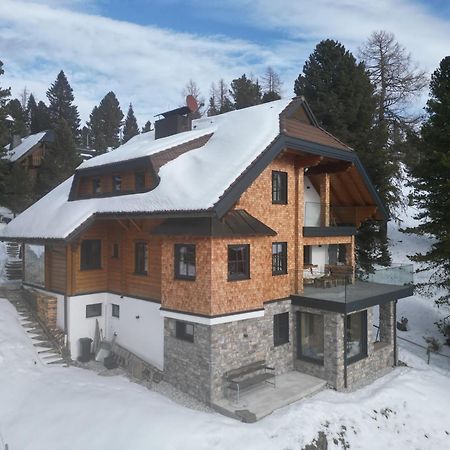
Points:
[[147, 50]]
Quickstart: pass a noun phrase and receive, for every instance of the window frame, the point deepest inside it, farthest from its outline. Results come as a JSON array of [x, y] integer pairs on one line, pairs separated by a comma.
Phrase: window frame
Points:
[[137, 269], [300, 355], [115, 310], [89, 315], [115, 178], [181, 332], [281, 332], [363, 337], [279, 187], [96, 186], [191, 250], [307, 256], [237, 276], [136, 176], [85, 263], [279, 259]]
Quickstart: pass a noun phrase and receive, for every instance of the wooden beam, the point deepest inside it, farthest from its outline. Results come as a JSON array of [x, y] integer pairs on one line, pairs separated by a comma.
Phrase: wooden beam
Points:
[[351, 187], [341, 166], [122, 224], [136, 225], [309, 161]]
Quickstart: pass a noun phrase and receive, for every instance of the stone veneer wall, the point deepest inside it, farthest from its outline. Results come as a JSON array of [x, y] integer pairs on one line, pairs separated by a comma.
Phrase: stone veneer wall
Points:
[[198, 368]]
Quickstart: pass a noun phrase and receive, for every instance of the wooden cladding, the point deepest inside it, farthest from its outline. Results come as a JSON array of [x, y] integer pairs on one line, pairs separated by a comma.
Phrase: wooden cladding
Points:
[[55, 268]]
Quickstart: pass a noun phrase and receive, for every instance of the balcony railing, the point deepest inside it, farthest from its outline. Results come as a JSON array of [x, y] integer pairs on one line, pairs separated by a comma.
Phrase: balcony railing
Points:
[[397, 274], [323, 215]]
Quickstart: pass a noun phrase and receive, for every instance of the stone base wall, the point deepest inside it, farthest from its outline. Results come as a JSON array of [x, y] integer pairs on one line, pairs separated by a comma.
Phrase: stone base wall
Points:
[[239, 343], [187, 365]]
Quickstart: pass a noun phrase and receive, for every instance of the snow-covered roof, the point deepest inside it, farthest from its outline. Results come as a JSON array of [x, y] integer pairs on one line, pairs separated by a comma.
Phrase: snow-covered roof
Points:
[[27, 144], [194, 181]]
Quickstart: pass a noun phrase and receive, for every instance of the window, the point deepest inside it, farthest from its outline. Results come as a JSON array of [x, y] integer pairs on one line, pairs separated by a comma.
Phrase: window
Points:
[[238, 262], [115, 250], [279, 258], [185, 261], [115, 310], [310, 331], [356, 336], [342, 254], [139, 181], [91, 254], [141, 258], [279, 187], [184, 331], [280, 329], [94, 310], [307, 258], [96, 186], [117, 183]]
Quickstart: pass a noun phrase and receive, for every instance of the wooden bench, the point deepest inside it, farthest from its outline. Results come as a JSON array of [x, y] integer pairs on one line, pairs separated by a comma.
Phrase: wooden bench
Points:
[[249, 375]]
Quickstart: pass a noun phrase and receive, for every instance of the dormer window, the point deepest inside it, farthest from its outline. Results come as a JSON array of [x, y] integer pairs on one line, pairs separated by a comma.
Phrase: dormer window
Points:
[[139, 181], [117, 183], [96, 186]]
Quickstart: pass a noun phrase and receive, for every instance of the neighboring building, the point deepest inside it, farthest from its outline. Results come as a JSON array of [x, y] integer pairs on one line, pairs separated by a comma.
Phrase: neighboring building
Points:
[[208, 249], [29, 151]]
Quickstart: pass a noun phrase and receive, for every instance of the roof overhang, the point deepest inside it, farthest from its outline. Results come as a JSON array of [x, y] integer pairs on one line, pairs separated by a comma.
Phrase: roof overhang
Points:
[[281, 143], [351, 298]]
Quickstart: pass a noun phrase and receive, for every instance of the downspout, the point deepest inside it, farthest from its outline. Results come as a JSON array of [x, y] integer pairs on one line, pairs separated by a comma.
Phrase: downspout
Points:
[[345, 336], [395, 332]]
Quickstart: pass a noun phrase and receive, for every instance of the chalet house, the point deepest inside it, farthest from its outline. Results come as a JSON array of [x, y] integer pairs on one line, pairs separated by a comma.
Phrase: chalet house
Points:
[[29, 151], [205, 246]]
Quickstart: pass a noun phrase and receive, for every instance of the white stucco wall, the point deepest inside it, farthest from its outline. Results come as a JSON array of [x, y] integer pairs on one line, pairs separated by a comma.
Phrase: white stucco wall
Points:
[[140, 327], [312, 204], [319, 256]]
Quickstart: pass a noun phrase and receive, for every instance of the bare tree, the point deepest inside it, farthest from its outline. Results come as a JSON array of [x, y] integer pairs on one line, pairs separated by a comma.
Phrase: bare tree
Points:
[[397, 79], [192, 88], [271, 81]]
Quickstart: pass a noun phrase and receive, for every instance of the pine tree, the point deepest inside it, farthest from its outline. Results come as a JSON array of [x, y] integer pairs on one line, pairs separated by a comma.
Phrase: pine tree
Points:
[[31, 111], [18, 189], [105, 123], [213, 109], [147, 127], [4, 137], [341, 95], [245, 92], [271, 85], [130, 128], [432, 184], [224, 104], [14, 109], [40, 120], [60, 160], [60, 97]]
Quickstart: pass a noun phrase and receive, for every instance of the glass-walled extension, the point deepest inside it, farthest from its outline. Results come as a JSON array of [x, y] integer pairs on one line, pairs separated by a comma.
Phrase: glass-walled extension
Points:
[[34, 265]]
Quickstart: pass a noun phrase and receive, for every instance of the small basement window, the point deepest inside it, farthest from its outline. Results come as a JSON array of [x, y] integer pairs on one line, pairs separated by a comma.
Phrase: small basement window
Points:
[[94, 310], [238, 262], [279, 258], [139, 181], [115, 310], [91, 254], [279, 187], [185, 261], [141, 258], [280, 329], [117, 183], [184, 331]]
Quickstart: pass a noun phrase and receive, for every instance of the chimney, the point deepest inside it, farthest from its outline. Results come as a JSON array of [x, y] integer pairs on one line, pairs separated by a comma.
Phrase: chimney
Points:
[[177, 120], [15, 141]]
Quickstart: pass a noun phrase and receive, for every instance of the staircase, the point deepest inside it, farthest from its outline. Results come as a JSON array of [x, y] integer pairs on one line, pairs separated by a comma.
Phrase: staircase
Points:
[[49, 345], [13, 266]]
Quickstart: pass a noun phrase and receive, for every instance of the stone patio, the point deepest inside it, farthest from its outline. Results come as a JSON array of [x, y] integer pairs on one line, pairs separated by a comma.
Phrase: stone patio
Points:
[[262, 400]]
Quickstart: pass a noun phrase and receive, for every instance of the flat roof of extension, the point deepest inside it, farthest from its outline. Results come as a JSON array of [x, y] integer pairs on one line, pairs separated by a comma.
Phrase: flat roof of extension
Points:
[[351, 298]]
